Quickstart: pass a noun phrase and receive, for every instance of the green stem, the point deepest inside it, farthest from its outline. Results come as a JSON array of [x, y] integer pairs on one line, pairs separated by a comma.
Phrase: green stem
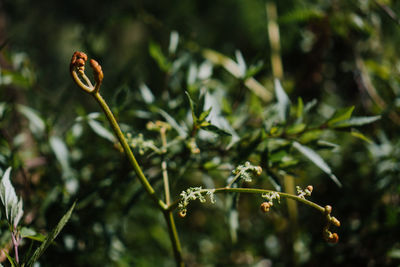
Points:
[[142, 178], [262, 191], [257, 191], [176, 245], [173, 234]]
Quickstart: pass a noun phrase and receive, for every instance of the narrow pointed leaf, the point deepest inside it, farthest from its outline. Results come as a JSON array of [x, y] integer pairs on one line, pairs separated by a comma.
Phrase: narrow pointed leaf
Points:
[[317, 160], [283, 101], [101, 130], [192, 107], [340, 115], [50, 238], [181, 131], [356, 121], [215, 129], [36, 123]]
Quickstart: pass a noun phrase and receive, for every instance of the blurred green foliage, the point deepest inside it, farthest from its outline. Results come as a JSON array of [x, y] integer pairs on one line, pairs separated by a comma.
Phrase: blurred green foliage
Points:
[[337, 55]]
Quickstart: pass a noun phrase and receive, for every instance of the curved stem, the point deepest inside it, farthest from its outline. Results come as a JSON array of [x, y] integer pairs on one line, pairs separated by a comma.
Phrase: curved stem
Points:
[[257, 191], [142, 178]]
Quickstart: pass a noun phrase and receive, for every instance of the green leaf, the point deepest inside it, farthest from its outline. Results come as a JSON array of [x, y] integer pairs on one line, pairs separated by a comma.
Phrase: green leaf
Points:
[[192, 107], [158, 56], [295, 129], [357, 121], [101, 130], [181, 131], [300, 15], [50, 238], [11, 203], [215, 129], [146, 93], [283, 101], [36, 124], [300, 108], [204, 114], [10, 259], [61, 151], [241, 63], [361, 136], [317, 160], [340, 115], [173, 42]]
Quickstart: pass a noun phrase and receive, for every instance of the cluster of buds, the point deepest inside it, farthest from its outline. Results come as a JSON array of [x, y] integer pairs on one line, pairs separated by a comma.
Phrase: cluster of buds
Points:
[[304, 193], [77, 66], [328, 235]]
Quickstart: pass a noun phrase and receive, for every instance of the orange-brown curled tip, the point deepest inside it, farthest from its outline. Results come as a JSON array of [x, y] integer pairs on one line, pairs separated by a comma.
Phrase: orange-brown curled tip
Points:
[[310, 188], [97, 71], [78, 60], [333, 238]]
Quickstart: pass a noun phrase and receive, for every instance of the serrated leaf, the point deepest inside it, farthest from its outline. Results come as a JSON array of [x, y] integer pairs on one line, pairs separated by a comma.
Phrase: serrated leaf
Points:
[[216, 130], [101, 130], [340, 115], [356, 121], [11, 203], [283, 101], [158, 56], [50, 238], [317, 160], [36, 124]]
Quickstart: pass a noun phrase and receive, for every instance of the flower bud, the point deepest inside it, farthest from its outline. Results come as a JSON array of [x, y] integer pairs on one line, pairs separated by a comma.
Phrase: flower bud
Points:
[[333, 238], [335, 221], [265, 206], [310, 188], [182, 213], [328, 209]]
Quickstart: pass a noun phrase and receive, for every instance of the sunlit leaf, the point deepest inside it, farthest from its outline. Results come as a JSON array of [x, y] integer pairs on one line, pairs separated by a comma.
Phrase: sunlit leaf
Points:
[[11, 203], [101, 130], [181, 131], [283, 101], [146, 93], [241, 63], [61, 151], [173, 42], [340, 115], [356, 121], [317, 160], [36, 124]]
